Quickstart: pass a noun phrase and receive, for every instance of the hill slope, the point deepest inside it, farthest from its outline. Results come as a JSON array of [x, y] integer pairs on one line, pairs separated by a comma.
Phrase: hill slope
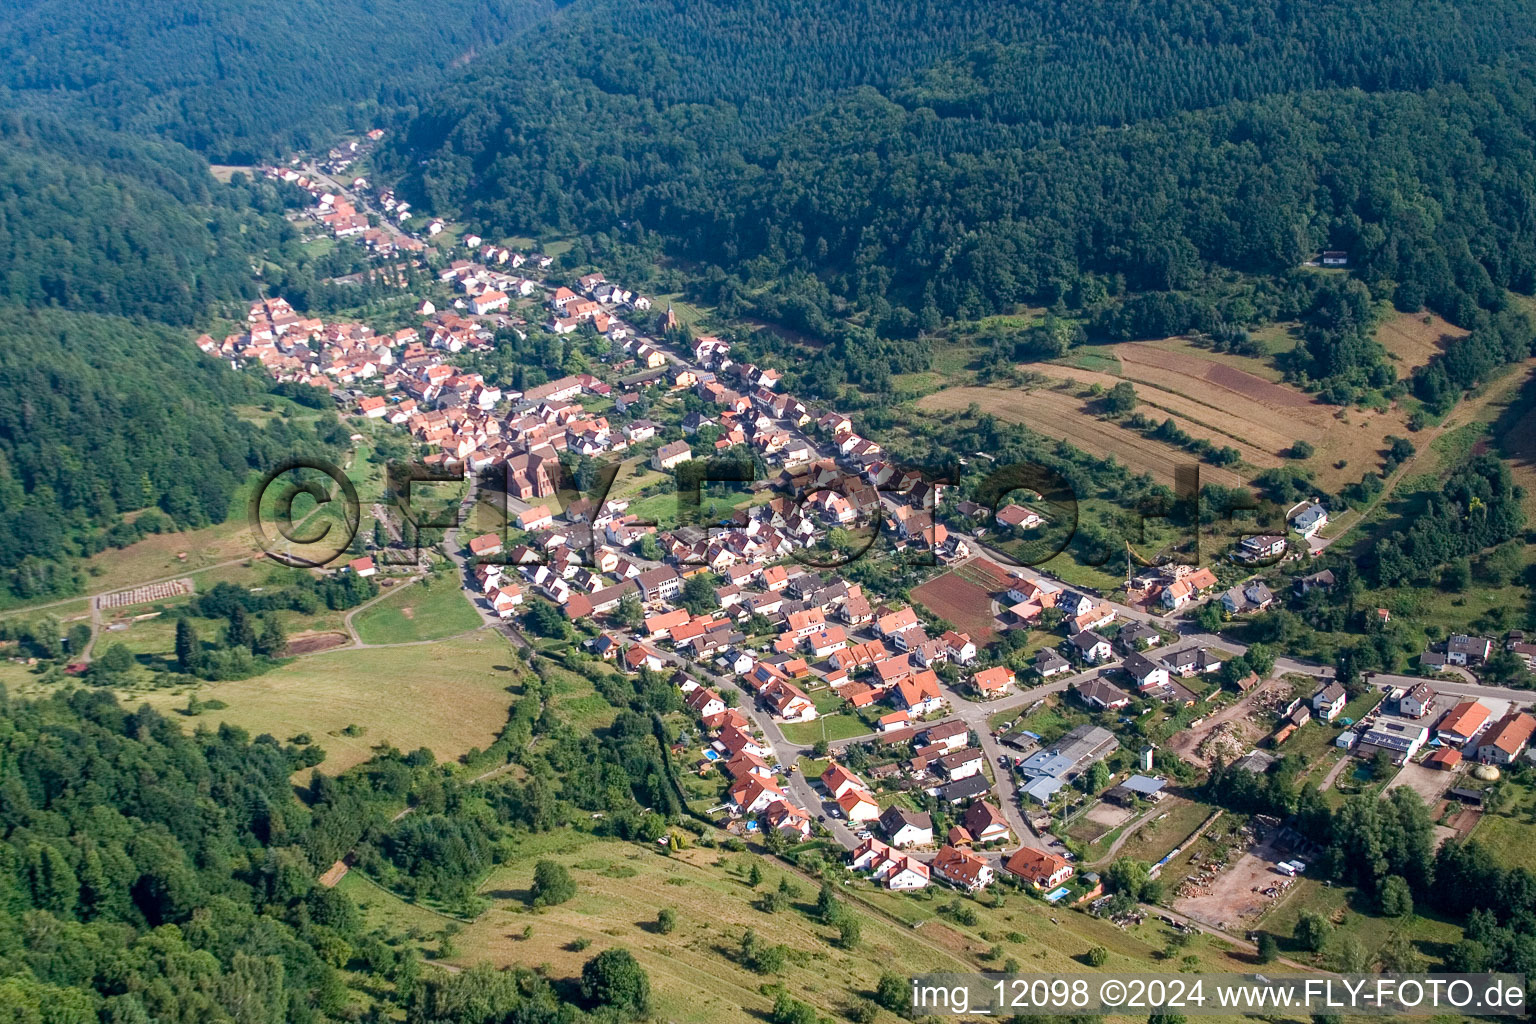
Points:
[[240, 81], [926, 160]]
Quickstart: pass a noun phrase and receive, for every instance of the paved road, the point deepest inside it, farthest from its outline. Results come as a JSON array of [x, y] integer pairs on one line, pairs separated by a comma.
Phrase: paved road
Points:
[[358, 199], [801, 789]]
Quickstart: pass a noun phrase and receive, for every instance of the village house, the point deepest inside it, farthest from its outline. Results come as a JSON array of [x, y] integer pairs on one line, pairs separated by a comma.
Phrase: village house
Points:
[[1261, 548], [904, 828], [1462, 723], [1137, 636], [962, 868], [839, 780], [919, 694], [993, 682], [787, 819], [1187, 588], [1465, 650], [671, 455], [1398, 737], [1418, 701], [1040, 868], [1504, 741], [962, 764], [1017, 517], [1090, 647], [1328, 702], [950, 735], [1308, 519], [1251, 597], [1143, 671], [889, 868], [858, 805], [753, 795], [485, 545], [986, 823], [1048, 663], [1102, 694]]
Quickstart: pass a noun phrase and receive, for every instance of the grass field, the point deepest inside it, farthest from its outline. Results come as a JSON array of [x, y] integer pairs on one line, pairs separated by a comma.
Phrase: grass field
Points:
[[429, 610], [575, 699], [449, 697], [1354, 918], [1070, 417], [1175, 819], [1505, 827], [831, 728], [1230, 400], [695, 971], [1411, 339]]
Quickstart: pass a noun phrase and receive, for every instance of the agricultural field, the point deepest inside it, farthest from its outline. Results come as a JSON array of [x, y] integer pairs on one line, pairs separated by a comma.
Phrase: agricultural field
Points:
[[448, 697], [431, 609], [1071, 417], [1230, 400], [962, 603], [173, 554]]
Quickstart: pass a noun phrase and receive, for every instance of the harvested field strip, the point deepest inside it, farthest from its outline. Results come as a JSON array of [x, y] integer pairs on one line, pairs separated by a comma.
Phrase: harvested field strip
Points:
[[1256, 438], [1063, 416], [1159, 365], [148, 592]]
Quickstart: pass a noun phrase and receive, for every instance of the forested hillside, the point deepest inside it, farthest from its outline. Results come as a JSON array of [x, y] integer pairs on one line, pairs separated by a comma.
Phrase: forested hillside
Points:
[[107, 416], [922, 161], [238, 81], [112, 247], [171, 864], [108, 223]]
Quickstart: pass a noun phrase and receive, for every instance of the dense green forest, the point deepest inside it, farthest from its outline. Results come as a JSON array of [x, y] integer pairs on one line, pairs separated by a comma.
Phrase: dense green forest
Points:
[[153, 875], [112, 248], [1159, 168], [148, 874], [107, 416], [108, 223], [241, 82]]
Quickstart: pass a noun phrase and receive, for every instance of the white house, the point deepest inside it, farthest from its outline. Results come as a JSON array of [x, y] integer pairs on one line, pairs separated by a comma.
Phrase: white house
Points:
[[1310, 519], [1329, 701], [1090, 646], [1144, 672], [670, 455], [906, 828], [487, 302], [857, 805]]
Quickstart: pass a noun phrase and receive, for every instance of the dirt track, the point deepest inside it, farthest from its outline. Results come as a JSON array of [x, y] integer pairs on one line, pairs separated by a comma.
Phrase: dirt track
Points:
[[314, 643]]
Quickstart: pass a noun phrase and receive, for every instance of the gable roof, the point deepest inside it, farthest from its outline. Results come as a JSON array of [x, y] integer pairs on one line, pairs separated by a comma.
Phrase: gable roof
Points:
[[1464, 719], [896, 818], [1030, 863], [1512, 733], [959, 865]]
